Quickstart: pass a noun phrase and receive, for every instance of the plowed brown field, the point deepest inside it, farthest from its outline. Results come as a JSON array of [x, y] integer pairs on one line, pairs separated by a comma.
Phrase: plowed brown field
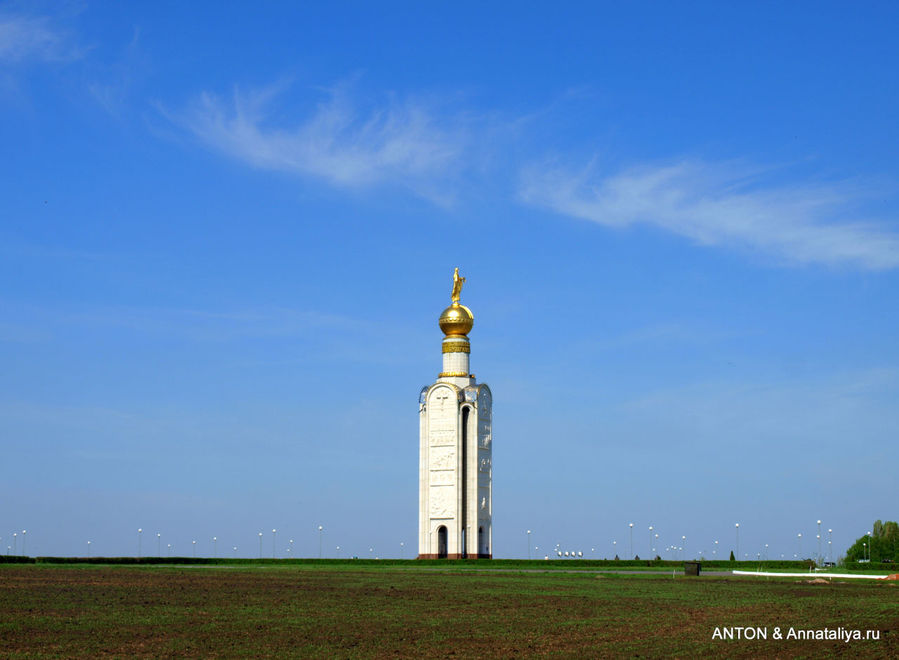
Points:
[[340, 611]]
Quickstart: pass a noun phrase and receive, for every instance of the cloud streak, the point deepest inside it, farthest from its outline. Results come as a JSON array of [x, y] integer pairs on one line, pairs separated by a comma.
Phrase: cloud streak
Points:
[[723, 205], [26, 38], [398, 143], [407, 144]]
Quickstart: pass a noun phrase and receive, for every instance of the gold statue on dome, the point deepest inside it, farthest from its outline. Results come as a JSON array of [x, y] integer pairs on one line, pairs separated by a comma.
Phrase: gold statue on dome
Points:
[[457, 286]]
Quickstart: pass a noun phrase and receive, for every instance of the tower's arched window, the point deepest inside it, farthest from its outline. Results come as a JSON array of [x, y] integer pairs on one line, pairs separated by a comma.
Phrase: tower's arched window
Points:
[[463, 519], [441, 542]]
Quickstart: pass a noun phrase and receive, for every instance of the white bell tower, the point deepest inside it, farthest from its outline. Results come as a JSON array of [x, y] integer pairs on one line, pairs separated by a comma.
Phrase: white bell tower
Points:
[[455, 496]]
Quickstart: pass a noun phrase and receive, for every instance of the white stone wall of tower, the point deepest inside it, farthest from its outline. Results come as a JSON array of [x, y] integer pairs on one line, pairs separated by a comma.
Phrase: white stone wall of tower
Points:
[[439, 499], [423, 476], [485, 468], [460, 382], [455, 362], [441, 484]]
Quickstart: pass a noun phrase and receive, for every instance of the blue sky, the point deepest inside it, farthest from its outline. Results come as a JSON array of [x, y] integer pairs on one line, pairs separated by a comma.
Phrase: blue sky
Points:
[[226, 234]]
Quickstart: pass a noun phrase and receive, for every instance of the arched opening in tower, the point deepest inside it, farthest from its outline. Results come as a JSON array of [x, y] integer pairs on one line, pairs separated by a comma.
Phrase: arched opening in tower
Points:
[[463, 519], [441, 542]]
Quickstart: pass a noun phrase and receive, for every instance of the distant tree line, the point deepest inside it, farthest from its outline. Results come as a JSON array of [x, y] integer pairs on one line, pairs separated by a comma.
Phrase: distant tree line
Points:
[[881, 545]]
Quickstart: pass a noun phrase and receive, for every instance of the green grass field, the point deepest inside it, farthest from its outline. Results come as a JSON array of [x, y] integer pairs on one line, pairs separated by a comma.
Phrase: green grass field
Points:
[[409, 610]]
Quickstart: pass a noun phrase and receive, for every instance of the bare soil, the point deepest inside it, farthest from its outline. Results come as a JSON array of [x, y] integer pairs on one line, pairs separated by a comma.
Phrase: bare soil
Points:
[[394, 612]]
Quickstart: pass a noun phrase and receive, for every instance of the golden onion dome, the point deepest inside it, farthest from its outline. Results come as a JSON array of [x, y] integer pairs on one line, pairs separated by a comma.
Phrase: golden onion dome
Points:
[[456, 320]]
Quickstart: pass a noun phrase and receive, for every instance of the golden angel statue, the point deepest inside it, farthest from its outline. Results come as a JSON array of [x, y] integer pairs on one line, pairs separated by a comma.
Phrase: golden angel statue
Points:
[[457, 286]]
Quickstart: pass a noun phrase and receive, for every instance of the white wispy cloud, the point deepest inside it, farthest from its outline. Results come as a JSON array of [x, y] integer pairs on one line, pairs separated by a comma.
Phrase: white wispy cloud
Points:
[[727, 205], [400, 142], [411, 144], [112, 91], [24, 38]]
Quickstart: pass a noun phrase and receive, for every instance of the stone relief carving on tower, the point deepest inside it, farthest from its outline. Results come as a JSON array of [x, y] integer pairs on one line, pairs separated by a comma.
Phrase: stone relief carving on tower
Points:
[[443, 478], [443, 458], [443, 504], [484, 400]]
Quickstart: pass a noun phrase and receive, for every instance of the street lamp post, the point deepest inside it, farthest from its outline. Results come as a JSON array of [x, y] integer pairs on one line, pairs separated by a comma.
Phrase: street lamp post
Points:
[[15, 540], [830, 544], [320, 541], [158, 544], [819, 543], [24, 552], [260, 545], [139, 534], [684, 548], [274, 539], [650, 542], [529, 544], [402, 549], [215, 547], [88, 548], [194, 544], [631, 525], [715, 550], [738, 540], [291, 547], [799, 544]]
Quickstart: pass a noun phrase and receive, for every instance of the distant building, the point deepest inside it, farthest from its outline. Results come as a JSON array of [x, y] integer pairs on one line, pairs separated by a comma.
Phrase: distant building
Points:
[[456, 473]]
